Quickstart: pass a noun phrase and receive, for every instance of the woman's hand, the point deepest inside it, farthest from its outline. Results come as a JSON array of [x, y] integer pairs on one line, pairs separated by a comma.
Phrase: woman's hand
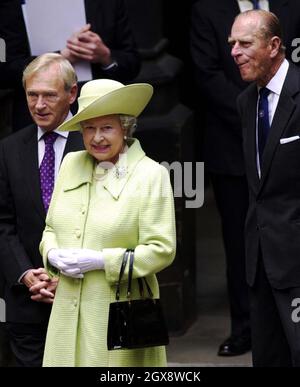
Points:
[[75, 262], [64, 261], [88, 259]]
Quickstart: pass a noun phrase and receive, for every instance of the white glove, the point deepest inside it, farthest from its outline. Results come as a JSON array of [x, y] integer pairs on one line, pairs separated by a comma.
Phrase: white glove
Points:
[[63, 260], [55, 256], [75, 262], [88, 259]]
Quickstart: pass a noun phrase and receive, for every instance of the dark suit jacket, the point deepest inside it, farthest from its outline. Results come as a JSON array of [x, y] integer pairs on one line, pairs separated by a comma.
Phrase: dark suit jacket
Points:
[[22, 218], [273, 219], [218, 78], [108, 18]]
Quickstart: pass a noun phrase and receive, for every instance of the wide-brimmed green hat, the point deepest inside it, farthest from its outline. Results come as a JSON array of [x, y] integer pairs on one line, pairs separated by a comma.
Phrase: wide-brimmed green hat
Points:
[[102, 97]]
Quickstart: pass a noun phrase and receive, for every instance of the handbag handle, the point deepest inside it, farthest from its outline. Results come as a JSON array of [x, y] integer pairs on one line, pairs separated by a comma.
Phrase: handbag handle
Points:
[[140, 280], [130, 270], [130, 253], [123, 265], [141, 287]]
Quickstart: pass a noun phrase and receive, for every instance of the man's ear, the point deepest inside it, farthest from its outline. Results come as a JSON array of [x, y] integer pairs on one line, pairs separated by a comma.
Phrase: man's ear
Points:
[[73, 93], [275, 44]]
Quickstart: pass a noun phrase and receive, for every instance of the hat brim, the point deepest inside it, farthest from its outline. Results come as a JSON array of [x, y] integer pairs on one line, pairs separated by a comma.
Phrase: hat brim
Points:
[[129, 100]]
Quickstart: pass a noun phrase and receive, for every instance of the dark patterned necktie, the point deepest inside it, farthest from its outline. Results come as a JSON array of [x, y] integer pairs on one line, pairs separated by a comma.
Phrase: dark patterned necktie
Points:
[[263, 124], [47, 168], [255, 4]]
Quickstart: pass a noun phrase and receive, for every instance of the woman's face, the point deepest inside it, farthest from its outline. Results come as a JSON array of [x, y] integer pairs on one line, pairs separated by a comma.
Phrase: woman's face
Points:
[[103, 137]]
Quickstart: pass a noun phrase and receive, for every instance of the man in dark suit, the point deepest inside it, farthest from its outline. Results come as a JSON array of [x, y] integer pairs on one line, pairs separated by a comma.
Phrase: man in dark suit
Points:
[[107, 43], [270, 112], [50, 86], [219, 84]]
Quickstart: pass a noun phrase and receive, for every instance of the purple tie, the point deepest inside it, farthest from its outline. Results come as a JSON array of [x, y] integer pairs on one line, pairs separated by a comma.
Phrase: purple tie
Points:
[[47, 168]]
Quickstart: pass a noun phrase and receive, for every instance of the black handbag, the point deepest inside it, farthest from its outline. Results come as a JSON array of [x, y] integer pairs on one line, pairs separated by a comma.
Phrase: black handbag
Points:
[[135, 323]]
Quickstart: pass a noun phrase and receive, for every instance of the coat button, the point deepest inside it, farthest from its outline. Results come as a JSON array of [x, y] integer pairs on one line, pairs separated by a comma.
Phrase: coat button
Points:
[[83, 210], [75, 302], [78, 234]]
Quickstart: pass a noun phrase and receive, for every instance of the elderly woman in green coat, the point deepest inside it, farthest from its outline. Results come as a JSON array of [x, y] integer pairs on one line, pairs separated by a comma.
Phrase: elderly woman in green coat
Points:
[[107, 199]]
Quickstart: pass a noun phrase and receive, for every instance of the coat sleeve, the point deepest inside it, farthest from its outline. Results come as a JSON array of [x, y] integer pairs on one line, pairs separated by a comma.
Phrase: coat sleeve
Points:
[[157, 232], [14, 260]]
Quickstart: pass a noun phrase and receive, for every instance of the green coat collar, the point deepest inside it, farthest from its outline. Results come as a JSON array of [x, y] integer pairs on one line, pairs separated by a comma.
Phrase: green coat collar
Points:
[[82, 167]]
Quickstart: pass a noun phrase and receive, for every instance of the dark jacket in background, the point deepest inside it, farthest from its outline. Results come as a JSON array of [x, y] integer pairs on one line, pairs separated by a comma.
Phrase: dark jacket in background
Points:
[[22, 220], [108, 18]]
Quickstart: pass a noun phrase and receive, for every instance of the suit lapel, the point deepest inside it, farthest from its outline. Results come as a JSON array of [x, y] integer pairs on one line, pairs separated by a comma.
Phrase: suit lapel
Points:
[[284, 111], [74, 143], [30, 163]]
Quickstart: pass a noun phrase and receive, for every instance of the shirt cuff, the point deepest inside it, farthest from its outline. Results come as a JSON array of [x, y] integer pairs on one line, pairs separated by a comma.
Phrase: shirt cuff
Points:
[[21, 276], [113, 65]]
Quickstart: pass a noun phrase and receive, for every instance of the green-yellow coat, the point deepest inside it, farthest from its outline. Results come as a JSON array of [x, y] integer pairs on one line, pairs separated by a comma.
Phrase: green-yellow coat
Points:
[[131, 208]]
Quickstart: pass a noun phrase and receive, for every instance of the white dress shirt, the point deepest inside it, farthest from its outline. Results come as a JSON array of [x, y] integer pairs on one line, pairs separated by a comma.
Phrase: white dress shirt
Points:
[[275, 86], [246, 5]]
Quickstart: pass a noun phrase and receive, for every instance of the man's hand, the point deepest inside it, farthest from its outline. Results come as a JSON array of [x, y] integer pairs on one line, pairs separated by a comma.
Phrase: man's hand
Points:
[[87, 45], [35, 276], [39, 283], [66, 53], [44, 294]]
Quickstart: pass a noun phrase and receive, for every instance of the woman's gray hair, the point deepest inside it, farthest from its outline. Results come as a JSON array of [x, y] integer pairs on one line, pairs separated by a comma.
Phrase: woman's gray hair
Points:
[[128, 123]]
